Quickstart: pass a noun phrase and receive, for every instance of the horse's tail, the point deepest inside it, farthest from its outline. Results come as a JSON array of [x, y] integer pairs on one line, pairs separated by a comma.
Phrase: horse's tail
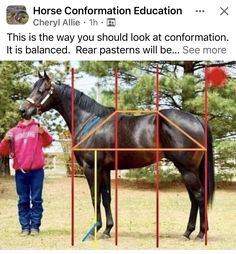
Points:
[[210, 169]]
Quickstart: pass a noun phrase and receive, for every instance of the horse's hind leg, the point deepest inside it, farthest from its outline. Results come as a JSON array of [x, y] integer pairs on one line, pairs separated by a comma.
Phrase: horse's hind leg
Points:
[[106, 200], [192, 216], [89, 173], [194, 186], [202, 219]]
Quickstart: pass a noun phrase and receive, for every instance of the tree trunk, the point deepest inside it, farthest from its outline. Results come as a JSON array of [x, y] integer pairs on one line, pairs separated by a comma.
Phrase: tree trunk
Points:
[[4, 166], [188, 67]]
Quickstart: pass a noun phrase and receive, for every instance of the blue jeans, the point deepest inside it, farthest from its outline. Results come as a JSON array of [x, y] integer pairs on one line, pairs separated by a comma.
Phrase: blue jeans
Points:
[[29, 187]]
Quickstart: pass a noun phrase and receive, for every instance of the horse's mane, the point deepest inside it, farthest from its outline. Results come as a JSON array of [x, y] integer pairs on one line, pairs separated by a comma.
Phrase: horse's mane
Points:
[[85, 102]]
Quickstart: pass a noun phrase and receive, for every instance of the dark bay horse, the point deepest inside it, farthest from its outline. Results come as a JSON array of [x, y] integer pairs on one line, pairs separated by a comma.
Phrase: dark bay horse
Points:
[[134, 132]]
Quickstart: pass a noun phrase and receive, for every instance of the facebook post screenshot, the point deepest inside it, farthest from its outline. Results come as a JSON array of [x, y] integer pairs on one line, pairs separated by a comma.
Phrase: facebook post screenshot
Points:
[[118, 126]]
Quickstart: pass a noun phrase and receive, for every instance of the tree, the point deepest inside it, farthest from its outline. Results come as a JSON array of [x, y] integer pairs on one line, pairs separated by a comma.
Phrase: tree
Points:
[[13, 85], [130, 71]]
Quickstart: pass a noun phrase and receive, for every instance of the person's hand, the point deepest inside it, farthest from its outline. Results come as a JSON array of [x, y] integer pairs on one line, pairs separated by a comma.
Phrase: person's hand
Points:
[[8, 136], [41, 130]]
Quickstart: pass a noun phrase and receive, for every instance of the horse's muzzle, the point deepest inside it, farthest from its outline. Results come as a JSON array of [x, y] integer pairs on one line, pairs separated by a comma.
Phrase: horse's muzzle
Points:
[[24, 114]]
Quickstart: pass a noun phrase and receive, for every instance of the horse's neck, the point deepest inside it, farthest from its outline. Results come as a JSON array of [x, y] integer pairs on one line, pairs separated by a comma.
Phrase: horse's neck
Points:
[[63, 106]]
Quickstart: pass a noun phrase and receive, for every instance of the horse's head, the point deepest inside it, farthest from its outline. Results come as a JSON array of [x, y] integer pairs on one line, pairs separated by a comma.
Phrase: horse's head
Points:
[[40, 98]]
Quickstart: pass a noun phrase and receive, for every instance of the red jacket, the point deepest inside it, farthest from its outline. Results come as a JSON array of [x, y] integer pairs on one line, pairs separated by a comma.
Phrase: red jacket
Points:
[[26, 146]]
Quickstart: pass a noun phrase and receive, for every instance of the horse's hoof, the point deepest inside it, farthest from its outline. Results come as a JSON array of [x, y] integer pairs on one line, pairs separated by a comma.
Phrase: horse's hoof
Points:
[[184, 238], [199, 239], [200, 236], [105, 236]]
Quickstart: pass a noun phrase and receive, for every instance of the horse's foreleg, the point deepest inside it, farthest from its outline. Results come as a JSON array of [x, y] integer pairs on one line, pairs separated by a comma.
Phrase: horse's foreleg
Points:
[[106, 200], [89, 173], [194, 186]]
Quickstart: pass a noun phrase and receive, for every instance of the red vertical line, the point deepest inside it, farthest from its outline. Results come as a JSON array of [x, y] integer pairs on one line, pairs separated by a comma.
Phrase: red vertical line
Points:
[[116, 89], [157, 156], [116, 156], [72, 156], [206, 155]]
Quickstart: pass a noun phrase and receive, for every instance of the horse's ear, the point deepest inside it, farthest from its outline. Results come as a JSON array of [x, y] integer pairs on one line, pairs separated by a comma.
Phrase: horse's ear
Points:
[[46, 75], [39, 74]]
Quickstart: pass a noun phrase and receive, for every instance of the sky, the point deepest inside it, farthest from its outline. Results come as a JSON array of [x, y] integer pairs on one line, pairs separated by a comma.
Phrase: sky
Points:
[[83, 82]]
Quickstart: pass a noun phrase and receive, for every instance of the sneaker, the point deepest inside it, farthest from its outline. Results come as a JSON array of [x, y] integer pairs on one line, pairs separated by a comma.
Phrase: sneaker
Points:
[[25, 232], [34, 231]]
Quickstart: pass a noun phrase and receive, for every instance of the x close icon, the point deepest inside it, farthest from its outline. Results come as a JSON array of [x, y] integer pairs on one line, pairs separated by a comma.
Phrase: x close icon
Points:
[[224, 10]]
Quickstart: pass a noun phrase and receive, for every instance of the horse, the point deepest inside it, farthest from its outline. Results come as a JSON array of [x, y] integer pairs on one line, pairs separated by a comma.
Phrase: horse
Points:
[[134, 131]]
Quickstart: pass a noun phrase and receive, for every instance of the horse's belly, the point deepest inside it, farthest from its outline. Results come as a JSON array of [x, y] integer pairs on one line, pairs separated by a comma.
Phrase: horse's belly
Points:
[[127, 160]]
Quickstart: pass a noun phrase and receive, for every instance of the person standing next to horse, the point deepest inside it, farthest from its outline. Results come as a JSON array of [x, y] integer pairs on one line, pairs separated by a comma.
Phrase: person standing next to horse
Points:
[[24, 144]]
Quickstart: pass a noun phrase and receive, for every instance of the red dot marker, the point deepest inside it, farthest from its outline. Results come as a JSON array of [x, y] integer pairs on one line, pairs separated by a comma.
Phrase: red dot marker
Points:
[[216, 76]]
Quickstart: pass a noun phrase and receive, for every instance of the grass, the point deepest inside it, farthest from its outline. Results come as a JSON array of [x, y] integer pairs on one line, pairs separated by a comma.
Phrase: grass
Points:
[[136, 218]]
